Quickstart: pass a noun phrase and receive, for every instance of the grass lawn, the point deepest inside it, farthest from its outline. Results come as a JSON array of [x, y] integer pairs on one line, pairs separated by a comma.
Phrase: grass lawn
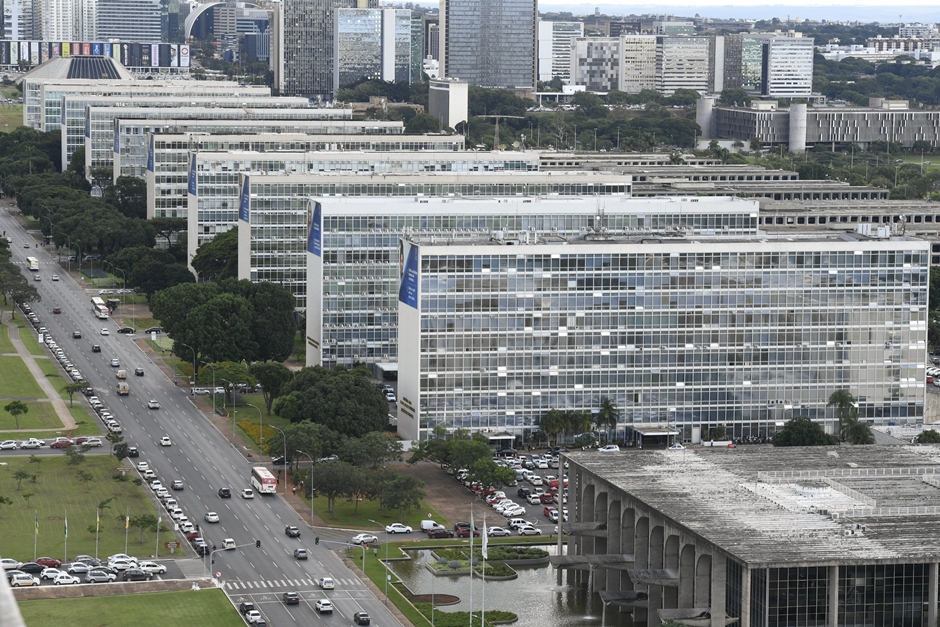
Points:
[[86, 426], [17, 381], [6, 346], [11, 117], [41, 415], [59, 489], [347, 517], [207, 608], [29, 338]]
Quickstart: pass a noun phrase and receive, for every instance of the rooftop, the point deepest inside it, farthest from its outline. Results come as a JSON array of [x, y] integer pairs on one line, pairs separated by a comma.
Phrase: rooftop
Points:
[[776, 506], [103, 68]]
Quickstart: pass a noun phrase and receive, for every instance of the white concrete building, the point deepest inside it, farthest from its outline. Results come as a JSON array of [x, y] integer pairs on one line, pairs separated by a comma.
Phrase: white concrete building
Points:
[[554, 48], [682, 63], [448, 101], [596, 63], [638, 70]]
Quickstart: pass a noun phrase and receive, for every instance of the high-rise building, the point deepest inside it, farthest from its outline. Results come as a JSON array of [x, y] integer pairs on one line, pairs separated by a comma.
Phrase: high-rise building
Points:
[[596, 63], [682, 63], [489, 43], [371, 44], [432, 38], [417, 47], [555, 42], [17, 20], [57, 19], [787, 61], [448, 101], [143, 21], [302, 45], [628, 27], [639, 63]]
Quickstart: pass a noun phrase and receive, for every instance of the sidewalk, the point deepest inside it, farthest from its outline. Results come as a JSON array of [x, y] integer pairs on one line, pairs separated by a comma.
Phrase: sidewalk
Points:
[[62, 410]]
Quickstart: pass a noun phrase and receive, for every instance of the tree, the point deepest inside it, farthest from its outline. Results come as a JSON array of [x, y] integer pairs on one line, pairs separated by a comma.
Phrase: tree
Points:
[[375, 447], [802, 431], [218, 259], [930, 436], [331, 480], [129, 196], [72, 388], [121, 451], [844, 403], [74, 454], [552, 424], [146, 522], [113, 439], [488, 473], [272, 376], [167, 227], [19, 475], [607, 416], [16, 409], [5, 500], [402, 492], [151, 275], [274, 325], [855, 431], [222, 328]]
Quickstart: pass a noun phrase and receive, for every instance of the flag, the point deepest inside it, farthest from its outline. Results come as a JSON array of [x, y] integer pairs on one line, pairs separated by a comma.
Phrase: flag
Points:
[[37, 523], [97, 519], [66, 526], [127, 522], [483, 550]]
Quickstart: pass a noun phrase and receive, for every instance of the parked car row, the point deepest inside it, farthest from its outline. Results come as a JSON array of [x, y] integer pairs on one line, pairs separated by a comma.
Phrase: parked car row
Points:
[[47, 569]]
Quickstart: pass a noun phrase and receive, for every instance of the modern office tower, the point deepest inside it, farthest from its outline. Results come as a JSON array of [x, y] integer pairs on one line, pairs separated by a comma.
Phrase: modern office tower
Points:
[[596, 63], [555, 42], [166, 154], [371, 44], [448, 101], [788, 65], [616, 29], [732, 332], [302, 45], [417, 47], [490, 43], [674, 29], [638, 70], [752, 63], [85, 20], [432, 38], [682, 63], [725, 69], [57, 17], [17, 20], [918, 30], [142, 21]]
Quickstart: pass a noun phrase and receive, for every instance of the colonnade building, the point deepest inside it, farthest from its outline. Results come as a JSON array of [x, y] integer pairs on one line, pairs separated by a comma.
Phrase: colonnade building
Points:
[[758, 536], [354, 250], [741, 333]]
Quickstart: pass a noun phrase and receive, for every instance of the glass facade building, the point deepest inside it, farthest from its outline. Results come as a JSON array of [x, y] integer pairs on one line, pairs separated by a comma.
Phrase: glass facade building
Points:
[[490, 43], [737, 333], [372, 44]]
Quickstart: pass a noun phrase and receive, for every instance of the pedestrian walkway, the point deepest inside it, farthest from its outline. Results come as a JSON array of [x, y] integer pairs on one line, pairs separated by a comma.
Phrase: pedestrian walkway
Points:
[[61, 409]]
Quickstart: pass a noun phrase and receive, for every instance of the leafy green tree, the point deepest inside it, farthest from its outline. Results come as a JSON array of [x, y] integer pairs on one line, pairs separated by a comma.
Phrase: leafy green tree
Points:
[[402, 492], [74, 454], [272, 376], [72, 388], [173, 306], [330, 479], [18, 476], [488, 473], [218, 259], [552, 424], [152, 275], [423, 123], [855, 431], [929, 436], [373, 448], [121, 451], [168, 227], [16, 409], [735, 97], [844, 403], [113, 440], [5, 500], [801, 431], [607, 416], [464, 453], [129, 196], [221, 328], [274, 326], [145, 522], [27, 496]]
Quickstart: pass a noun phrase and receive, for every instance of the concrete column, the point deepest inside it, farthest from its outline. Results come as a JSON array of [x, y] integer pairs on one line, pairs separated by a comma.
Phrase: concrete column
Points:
[[671, 560], [613, 544], [657, 546], [642, 551], [719, 577], [833, 596], [703, 578], [745, 598], [932, 595], [687, 576]]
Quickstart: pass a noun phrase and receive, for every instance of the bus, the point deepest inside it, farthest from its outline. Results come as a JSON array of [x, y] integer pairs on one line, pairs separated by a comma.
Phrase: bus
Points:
[[33, 263], [263, 481], [99, 308]]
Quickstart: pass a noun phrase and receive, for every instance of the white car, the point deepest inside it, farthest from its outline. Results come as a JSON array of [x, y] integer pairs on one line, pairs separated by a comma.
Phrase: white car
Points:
[[122, 556], [8, 445], [514, 511], [152, 568], [325, 583], [23, 579], [496, 532], [165, 441], [200, 391], [153, 404], [252, 616], [93, 441], [608, 448], [248, 493], [397, 528], [228, 544], [161, 493], [676, 447], [121, 564], [32, 443], [155, 485], [9, 564], [115, 363], [364, 538], [105, 332], [186, 526], [533, 499], [149, 474], [211, 517], [50, 573], [529, 530], [55, 277], [65, 579], [176, 513]]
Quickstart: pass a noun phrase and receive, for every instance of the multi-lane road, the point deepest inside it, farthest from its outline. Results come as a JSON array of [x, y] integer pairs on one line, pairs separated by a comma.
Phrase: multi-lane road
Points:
[[199, 456]]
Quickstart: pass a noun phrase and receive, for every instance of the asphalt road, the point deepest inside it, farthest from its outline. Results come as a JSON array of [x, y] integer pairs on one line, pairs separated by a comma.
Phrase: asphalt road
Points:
[[200, 456]]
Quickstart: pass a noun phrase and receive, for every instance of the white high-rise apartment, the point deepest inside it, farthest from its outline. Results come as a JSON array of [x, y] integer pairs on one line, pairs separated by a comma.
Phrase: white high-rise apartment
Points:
[[787, 65], [555, 42], [638, 69], [17, 20], [682, 63]]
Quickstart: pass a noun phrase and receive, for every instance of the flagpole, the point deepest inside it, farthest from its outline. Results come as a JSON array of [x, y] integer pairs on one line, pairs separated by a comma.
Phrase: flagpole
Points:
[[127, 524], [483, 593], [97, 526], [65, 553], [471, 565], [156, 549], [36, 535]]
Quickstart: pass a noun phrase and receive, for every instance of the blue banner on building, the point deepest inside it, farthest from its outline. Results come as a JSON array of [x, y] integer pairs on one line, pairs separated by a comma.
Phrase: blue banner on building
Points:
[[244, 203], [117, 136], [192, 175], [150, 158], [408, 269], [315, 234]]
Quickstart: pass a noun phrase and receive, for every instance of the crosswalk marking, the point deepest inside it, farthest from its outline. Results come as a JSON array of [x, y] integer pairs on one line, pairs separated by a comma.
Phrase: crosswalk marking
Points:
[[285, 583], [248, 583]]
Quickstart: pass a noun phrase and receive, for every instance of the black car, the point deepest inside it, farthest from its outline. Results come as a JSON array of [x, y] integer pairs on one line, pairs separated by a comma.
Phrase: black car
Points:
[[153, 330], [95, 348], [139, 372], [440, 533], [292, 531], [133, 452], [32, 568], [135, 574], [291, 598], [127, 330], [524, 492], [246, 607], [361, 618], [225, 493]]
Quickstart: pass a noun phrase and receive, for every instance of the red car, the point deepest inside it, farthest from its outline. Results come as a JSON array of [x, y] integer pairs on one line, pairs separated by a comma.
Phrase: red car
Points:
[[548, 510], [547, 497], [464, 532], [56, 310], [49, 562], [61, 443], [440, 533]]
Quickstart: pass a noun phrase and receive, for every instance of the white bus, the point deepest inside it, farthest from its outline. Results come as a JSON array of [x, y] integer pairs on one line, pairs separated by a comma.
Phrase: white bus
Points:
[[263, 481], [99, 308], [33, 263]]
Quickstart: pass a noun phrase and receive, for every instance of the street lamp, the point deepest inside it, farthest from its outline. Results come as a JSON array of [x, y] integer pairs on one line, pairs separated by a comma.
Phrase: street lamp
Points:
[[194, 361], [284, 440], [310, 480], [387, 576], [234, 406]]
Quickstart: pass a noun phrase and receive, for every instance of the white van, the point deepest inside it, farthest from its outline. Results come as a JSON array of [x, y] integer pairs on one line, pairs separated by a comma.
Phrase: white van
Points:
[[427, 525]]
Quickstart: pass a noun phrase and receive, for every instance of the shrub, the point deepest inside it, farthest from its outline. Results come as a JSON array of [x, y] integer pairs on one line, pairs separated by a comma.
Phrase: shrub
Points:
[[253, 431], [494, 570]]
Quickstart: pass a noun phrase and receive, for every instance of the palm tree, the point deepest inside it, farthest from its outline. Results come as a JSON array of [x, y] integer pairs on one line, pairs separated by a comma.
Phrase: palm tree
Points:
[[845, 403], [607, 416], [553, 423], [855, 431]]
